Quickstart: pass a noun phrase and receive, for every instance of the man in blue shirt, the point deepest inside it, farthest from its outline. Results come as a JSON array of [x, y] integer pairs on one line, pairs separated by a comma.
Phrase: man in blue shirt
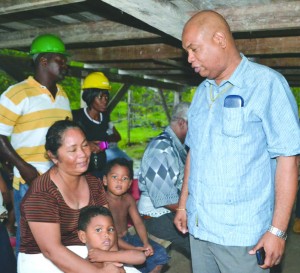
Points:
[[241, 171]]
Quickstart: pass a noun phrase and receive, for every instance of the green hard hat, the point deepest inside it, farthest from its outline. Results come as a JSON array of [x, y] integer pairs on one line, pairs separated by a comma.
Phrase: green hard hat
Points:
[[47, 43]]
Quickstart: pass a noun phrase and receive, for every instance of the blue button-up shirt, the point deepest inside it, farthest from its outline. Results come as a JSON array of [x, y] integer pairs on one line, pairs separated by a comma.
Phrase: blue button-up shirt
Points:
[[233, 153]]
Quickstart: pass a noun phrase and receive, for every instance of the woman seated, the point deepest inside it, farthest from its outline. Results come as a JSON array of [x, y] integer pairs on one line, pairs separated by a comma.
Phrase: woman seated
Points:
[[50, 209]]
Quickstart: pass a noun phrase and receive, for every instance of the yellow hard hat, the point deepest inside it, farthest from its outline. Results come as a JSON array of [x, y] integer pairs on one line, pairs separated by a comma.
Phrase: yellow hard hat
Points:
[[96, 80]]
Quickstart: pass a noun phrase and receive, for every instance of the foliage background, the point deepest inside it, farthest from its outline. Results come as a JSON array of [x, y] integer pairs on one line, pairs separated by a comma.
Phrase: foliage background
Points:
[[147, 118]]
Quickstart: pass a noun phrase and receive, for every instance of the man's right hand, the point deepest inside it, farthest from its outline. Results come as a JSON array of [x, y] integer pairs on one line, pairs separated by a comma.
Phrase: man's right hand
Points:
[[180, 221], [28, 172]]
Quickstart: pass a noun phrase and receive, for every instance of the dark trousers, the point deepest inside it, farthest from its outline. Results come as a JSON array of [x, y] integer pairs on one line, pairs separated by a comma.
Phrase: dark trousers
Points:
[[163, 227], [8, 262]]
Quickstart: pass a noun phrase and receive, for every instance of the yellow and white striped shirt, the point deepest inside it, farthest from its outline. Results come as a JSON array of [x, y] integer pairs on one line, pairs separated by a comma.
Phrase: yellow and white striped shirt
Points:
[[27, 110]]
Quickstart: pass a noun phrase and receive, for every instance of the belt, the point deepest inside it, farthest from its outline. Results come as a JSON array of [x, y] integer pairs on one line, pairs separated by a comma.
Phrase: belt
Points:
[[145, 217]]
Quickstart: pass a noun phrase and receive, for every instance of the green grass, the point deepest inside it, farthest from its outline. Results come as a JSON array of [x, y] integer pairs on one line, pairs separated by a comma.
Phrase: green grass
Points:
[[146, 126]]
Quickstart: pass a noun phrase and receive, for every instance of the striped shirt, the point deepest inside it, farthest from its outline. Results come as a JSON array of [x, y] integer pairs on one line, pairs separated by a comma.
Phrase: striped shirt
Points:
[[233, 154], [27, 110], [44, 203]]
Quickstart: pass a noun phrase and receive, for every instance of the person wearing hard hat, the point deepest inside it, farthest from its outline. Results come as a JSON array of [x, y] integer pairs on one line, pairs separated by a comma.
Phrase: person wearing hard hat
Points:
[[28, 109], [94, 119]]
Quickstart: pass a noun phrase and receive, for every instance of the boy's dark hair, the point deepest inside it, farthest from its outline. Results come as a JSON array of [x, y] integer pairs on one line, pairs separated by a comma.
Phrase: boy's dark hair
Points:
[[121, 162], [87, 213]]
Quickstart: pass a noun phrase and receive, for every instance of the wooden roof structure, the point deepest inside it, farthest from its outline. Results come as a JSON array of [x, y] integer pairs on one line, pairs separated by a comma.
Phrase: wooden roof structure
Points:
[[138, 41]]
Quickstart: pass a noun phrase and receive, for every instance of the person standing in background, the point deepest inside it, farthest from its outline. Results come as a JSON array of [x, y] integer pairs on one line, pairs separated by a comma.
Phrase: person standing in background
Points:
[[161, 177], [27, 110], [241, 171], [94, 119]]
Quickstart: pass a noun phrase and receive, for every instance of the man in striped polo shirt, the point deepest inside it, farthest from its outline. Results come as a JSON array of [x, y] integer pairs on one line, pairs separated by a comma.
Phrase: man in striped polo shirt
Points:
[[28, 109]]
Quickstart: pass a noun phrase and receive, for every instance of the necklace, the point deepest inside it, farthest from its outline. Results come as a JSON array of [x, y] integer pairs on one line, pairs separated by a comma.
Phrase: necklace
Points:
[[212, 98]]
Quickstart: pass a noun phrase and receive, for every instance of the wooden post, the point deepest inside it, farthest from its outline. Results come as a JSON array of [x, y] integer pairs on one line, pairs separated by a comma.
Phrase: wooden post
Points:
[[176, 97], [164, 104], [128, 117]]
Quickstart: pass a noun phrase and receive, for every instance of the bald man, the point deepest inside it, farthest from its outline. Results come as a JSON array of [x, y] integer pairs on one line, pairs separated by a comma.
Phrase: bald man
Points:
[[241, 171]]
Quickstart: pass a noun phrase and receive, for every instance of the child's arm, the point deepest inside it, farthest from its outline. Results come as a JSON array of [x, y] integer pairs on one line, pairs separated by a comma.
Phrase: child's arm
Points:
[[131, 257], [139, 226], [126, 246]]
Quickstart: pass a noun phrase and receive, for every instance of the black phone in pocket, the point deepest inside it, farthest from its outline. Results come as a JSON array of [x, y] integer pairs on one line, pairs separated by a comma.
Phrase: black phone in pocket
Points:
[[233, 101], [260, 256]]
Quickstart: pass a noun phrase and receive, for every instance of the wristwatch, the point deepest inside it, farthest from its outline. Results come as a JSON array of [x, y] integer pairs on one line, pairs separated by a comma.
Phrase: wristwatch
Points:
[[277, 232]]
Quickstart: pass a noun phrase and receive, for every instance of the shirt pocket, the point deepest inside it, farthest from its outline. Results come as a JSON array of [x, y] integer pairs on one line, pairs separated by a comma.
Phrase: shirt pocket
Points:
[[233, 121]]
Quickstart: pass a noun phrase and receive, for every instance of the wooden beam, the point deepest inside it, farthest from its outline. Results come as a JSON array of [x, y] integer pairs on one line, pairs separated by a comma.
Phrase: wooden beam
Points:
[[251, 47], [137, 52], [253, 17], [154, 13], [262, 16], [157, 83], [280, 62], [11, 6], [83, 33], [118, 96], [269, 46]]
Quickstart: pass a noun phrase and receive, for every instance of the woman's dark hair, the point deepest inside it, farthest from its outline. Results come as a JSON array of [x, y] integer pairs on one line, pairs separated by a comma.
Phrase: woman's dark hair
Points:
[[121, 162], [89, 212], [89, 95], [55, 134]]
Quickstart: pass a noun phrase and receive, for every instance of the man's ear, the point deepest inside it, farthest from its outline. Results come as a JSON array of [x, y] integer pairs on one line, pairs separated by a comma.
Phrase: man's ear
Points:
[[43, 61], [220, 38], [81, 236], [181, 122]]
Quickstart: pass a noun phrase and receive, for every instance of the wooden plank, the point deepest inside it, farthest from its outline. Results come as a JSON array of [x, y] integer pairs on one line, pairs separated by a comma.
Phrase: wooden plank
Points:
[[262, 17], [275, 45], [248, 17], [137, 52], [101, 31], [251, 47], [11, 6], [163, 15], [280, 62]]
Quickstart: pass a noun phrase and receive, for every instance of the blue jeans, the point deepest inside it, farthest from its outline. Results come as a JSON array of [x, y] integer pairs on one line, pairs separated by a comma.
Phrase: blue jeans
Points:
[[160, 256], [18, 196]]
